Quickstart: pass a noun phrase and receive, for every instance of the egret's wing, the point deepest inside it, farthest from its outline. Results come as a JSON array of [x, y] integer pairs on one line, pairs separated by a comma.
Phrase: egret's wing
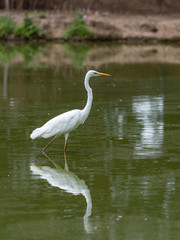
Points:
[[59, 125]]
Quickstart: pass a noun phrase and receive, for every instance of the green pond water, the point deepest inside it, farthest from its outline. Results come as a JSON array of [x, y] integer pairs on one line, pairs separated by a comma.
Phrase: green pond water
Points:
[[121, 177]]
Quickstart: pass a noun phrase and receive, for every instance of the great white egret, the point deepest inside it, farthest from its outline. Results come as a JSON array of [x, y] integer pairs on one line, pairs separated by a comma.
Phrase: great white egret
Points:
[[68, 121]]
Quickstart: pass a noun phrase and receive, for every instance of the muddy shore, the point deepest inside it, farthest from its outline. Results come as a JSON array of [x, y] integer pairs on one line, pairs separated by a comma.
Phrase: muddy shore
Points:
[[108, 26]]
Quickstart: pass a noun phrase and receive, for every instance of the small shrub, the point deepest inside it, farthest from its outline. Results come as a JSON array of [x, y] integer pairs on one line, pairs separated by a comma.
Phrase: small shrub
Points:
[[28, 28], [77, 28], [42, 15], [7, 25]]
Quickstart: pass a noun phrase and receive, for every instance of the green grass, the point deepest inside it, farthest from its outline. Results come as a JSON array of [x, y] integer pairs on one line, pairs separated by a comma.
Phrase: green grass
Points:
[[77, 29], [7, 25], [28, 29], [42, 15]]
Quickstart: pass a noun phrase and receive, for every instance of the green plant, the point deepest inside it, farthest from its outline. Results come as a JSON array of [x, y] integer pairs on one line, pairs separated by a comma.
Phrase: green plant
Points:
[[77, 28], [28, 29], [42, 15], [7, 25]]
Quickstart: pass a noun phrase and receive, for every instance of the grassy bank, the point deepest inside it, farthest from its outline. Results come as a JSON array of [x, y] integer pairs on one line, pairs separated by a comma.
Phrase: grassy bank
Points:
[[70, 26]]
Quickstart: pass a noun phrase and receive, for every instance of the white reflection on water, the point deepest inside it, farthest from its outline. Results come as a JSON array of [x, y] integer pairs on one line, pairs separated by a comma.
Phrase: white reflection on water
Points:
[[68, 181], [149, 111], [120, 120]]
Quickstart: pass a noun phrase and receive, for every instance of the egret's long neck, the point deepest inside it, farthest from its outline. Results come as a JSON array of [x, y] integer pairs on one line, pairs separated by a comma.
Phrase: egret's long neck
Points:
[[87, 108]]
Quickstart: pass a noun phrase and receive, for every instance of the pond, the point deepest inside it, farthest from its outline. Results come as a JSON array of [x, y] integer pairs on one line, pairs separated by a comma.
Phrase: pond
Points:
[[120, 176]]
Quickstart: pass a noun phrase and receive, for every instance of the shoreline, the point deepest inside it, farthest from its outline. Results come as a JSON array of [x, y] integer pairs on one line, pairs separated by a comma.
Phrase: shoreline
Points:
[[105, 26], [53, 55]]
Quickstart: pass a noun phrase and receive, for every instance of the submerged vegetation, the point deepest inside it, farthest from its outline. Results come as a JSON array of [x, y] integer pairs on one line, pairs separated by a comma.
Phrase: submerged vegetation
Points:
[[77, 29]]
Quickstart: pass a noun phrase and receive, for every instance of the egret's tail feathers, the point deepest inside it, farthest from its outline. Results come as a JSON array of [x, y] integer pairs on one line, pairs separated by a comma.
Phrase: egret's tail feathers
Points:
[[36, 133]]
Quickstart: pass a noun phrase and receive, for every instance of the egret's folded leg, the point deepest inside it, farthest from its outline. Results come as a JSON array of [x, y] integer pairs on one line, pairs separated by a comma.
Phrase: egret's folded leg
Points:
[[44, 149], [65, 143]]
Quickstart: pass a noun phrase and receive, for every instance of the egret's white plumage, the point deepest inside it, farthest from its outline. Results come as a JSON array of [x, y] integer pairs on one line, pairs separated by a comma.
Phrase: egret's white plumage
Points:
[[62, 124], [68, 121]]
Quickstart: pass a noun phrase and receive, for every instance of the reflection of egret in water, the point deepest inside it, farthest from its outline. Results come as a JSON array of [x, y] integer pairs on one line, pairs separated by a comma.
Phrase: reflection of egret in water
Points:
[[68, 181]]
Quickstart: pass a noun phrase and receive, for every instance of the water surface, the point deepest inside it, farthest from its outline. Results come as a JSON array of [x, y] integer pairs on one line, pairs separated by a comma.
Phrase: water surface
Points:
[[120, 179]]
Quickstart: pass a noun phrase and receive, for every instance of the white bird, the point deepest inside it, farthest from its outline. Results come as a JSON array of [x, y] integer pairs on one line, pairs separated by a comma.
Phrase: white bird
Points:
[[68, 121]]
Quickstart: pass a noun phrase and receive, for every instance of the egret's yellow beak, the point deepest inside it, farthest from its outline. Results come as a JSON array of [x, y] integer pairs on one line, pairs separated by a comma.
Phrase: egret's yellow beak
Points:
[[104, 74]]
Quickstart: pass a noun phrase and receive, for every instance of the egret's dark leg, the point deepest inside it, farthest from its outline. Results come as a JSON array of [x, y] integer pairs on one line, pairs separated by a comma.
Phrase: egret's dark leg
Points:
[[65, 143], [44, 149]]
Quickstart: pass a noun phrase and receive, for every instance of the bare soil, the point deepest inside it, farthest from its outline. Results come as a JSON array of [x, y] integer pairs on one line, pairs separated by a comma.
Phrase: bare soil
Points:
[[109, 26]]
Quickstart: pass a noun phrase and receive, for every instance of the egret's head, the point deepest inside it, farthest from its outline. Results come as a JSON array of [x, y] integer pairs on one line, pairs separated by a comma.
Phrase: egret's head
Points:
[[93, 73]]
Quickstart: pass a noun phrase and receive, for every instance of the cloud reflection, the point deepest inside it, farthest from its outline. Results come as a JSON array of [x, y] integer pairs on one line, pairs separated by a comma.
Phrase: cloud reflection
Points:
[[149, 113], [68, 181]]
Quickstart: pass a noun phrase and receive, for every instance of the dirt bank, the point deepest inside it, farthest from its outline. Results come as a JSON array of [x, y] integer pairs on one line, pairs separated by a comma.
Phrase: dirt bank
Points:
[[114, 6], [109, 26]]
